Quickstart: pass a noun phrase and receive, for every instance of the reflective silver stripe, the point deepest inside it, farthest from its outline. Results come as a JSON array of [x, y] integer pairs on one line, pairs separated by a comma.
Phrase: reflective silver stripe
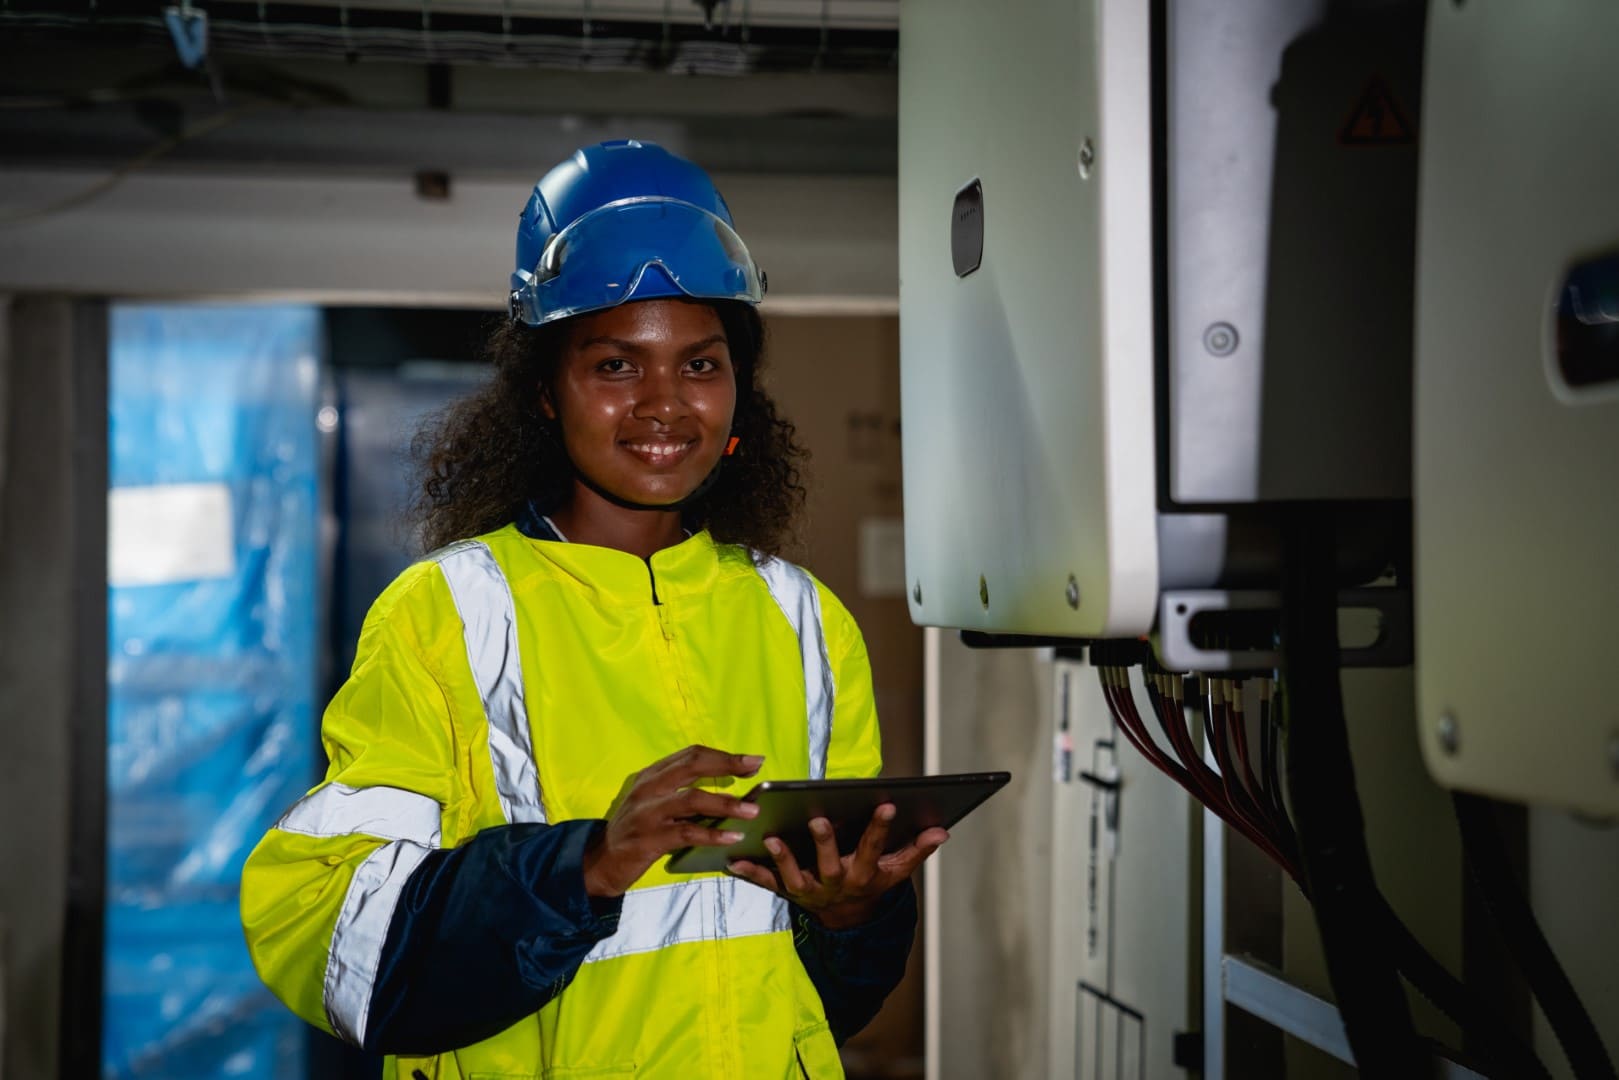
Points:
[[362, 925], [704, 909], [384, 812], [794, 592], [489, 619]]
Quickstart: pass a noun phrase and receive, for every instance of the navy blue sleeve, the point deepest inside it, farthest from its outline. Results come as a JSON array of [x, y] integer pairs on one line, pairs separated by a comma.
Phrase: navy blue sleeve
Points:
[[485, 935], [855, 969]]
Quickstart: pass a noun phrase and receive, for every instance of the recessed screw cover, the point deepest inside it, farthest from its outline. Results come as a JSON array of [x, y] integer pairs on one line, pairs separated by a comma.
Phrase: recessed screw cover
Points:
[[983, 590], [916, 592], [1087, 159], [1073, 592], [1220, 339]]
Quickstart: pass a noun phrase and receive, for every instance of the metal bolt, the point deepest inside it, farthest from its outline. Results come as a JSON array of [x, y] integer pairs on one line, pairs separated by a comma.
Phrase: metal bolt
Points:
[[1450, 733], [1073, 592], [1220, 339], [916, 593], [1087, 159], [983, 591]]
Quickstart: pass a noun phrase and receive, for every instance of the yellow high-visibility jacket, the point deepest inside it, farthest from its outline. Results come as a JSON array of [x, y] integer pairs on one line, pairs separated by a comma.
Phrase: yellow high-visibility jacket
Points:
[[520, 683]]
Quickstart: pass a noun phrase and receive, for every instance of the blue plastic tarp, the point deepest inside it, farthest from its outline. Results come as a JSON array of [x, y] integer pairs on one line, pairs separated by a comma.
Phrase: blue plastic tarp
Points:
[[212, 670]]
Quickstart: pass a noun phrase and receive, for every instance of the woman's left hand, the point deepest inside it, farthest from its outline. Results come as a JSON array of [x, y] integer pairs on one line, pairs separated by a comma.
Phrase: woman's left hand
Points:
[[842, 890]]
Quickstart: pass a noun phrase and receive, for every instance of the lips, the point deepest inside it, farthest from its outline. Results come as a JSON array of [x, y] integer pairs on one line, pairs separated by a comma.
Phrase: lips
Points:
[[659, 453]]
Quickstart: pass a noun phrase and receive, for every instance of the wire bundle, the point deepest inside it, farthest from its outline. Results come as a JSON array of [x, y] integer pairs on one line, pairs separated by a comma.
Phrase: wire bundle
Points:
[[1254, 803], [1250, 801]]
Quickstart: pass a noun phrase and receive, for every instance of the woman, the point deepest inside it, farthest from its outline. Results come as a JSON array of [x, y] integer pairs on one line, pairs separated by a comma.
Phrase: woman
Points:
[[601, 648]]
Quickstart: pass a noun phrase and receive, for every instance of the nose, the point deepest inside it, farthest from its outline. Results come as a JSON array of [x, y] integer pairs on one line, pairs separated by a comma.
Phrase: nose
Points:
[[662, 397]]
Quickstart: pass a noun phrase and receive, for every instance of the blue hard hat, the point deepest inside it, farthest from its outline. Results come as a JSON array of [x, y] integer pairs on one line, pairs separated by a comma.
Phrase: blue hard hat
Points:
[[624, 221]]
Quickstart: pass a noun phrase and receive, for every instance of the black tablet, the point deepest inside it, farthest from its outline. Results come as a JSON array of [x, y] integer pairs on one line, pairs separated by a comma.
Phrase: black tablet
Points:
[[786, 808]]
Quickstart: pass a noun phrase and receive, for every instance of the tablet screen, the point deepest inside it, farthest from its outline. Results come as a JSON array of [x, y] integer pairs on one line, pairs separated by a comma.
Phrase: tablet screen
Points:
[[786, 808]]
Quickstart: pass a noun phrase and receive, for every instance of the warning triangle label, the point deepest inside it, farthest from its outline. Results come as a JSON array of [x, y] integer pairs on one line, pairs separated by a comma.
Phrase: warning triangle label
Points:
[[1377, 119]]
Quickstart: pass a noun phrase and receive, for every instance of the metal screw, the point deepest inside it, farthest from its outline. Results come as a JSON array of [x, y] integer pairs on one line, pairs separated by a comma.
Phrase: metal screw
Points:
[[1073, 592], [983, 591], [1450, 733], [916, 593], [1220, 339], [1087, 159]]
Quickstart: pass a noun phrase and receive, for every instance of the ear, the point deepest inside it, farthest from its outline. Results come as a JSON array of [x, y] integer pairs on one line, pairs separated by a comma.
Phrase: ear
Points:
[[547, 409]]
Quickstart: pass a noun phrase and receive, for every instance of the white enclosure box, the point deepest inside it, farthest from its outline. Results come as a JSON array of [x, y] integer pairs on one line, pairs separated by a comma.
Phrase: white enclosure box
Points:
[[1029, 431], [1517, 402], [1154, 282]]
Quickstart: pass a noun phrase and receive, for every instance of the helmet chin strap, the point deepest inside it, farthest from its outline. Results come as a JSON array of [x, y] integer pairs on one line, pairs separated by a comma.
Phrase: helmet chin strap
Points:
[[617, 500]]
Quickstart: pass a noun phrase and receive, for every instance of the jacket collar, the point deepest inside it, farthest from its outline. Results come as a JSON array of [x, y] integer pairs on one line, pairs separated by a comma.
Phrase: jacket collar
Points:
[[688, 567]]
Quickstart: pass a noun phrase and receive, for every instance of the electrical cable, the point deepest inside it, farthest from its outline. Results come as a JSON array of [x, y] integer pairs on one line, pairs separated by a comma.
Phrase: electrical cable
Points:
[[1230, 776], [1273, 780], [1265, 805], [1326, 809], [1239, 737], [1265, 776], [1121, 700], [1447, 993], [1426, 974], [1487, 861], [1205, 687], [1171, 719], [1229, 718]]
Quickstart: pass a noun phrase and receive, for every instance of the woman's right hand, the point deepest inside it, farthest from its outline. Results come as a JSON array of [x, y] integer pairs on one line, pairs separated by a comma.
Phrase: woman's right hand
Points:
[[656, 817]]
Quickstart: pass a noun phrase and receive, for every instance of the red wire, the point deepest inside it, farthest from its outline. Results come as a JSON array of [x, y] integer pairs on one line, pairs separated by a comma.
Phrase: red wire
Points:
[[1259, 803], [1200, 781], [1239, 737], [1122, 703], [1235, 813], [1240, 798]]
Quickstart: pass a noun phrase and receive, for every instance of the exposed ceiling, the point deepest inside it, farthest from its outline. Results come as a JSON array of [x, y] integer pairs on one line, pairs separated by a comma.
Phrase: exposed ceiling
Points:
[[697, 37], [468, 88]]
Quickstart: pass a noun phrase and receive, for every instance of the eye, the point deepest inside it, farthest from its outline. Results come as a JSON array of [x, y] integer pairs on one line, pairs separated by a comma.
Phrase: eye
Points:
[[703, 365], [614, 366]]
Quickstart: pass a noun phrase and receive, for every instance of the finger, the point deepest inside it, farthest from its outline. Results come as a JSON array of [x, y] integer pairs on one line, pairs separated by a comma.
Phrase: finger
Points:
[[872, 843], [685, 834], [754, 873], [695, 802], [792, 878], [828, 859], [903, 863], [681, 768]]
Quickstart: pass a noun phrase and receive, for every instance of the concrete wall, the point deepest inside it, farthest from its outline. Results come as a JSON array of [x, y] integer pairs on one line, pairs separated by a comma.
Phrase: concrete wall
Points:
[[52, 652], [827, 243], [990, 951]]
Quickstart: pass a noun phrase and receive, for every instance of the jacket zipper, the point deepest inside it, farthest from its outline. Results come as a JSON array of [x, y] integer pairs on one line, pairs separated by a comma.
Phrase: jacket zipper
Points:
[[717, 964]]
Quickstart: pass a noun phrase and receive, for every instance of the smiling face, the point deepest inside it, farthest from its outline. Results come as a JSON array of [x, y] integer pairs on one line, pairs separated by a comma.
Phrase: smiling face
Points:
[[645, 393]]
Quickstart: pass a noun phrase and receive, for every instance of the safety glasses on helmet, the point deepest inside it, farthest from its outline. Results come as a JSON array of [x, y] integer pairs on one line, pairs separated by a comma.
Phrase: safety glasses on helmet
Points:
[[602, 259]]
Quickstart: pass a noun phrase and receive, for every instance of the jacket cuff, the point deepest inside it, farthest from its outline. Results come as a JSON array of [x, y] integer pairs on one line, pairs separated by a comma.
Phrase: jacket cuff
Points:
[[893, 921], [549, 862]]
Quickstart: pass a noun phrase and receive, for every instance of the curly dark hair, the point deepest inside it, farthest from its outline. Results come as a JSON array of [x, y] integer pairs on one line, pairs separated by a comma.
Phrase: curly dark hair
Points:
[[482, 458]]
